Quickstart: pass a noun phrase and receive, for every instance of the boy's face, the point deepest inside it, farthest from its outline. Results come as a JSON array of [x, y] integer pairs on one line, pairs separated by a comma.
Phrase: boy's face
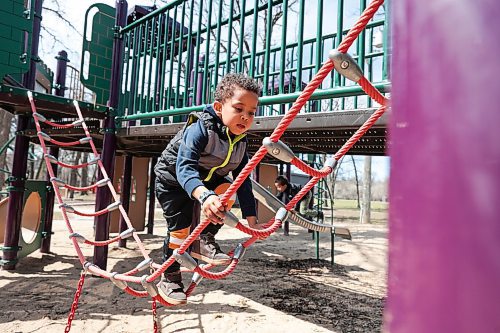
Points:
[[280, 187], [238, 112]]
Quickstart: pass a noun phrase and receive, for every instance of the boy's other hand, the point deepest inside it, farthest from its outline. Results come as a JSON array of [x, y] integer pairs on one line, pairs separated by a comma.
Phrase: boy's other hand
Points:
[[214, 210]]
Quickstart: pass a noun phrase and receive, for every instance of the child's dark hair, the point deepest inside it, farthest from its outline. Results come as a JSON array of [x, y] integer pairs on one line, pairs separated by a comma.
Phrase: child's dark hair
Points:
[[282, 180], [225, 88]]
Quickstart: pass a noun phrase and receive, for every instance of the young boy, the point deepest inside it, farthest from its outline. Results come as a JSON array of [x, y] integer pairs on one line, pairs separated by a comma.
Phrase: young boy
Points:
[[194, 163]]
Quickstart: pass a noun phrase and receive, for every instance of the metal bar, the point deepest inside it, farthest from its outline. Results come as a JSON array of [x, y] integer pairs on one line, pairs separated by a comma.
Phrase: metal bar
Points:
[[283, 46], [252, 70], [196, 67], [151, 210], [103, 195], [189, 56], [217, 43], [207, 52], [172, 52], [269, 100], [300, 42], [179, 59], [229, 36], [267, 48], [239, 66]]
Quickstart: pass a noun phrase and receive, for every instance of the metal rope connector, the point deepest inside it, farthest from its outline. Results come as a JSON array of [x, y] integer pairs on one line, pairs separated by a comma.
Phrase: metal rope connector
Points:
[[119, 283], [39, 117], [345, 65], [79, 238], [231, 220], [58, 181], [103, 182], [281, 214], [196, 278], [51, 158], [44, 136], [146, 263], [85, 139], [331, 162], [93, 161], [149, 286], [77, 122], [239, 252], [185, 260], [127, 233], [68, 208], [113, 206], [279, 150]]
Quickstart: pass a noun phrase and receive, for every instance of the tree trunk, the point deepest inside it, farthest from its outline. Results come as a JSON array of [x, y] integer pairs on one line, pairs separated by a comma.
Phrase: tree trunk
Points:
[[357, 180], [367, 184]]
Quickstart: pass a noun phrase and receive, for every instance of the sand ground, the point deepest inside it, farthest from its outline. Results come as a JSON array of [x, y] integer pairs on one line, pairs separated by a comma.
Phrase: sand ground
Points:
[[278, 287]]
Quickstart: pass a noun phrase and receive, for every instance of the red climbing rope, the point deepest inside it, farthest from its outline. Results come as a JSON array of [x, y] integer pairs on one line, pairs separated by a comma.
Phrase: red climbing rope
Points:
[[74, 305]]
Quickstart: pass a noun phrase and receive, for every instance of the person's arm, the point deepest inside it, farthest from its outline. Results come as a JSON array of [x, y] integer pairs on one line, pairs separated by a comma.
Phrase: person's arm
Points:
[[194, 141]]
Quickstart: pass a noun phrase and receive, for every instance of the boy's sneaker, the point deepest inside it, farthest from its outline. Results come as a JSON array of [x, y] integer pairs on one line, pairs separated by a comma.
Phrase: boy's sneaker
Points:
[[209, 251], [171, 288]]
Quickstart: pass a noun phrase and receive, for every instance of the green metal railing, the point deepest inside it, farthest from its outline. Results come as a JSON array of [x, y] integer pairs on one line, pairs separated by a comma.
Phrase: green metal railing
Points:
[[176, 55]]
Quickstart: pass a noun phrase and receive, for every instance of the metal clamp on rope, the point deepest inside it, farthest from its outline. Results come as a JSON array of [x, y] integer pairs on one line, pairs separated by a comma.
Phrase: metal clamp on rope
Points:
[[119, 283], [93, 161], [87, 265], [68, 208], [231, 220], [185, 260], [331, 162], [44, 136], [239, 252], [77, 122], [51, 158], [85, 139], [79, 238], [281, 214], [127, 233], [58, 181], [149, 286], [196, 279], [345, 65], [146, 263], [39, 117], [114, 206], [279, 150], [103, 182]]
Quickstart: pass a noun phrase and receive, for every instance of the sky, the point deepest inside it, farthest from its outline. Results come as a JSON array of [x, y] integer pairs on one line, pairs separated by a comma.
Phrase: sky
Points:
[[74, 11]]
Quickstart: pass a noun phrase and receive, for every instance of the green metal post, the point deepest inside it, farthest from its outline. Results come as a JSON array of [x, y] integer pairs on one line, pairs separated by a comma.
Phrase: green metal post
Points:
[[298, 85]]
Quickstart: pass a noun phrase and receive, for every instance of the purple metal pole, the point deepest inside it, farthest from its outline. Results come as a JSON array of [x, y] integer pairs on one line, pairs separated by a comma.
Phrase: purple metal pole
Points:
[[444, 266], [103, 196], [125, 197], [20, 160], [62, 65], [152, 197]]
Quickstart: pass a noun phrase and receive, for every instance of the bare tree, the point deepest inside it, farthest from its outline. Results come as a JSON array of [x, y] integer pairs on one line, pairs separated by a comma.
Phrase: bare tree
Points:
[[367, 182]]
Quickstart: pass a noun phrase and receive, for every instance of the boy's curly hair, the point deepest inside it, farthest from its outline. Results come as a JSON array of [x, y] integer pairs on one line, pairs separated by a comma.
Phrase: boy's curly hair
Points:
[[230, 81]]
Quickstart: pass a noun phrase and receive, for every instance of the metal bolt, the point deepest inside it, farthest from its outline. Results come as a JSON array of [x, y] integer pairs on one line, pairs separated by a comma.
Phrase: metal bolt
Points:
[[276, 151], [344, 64]]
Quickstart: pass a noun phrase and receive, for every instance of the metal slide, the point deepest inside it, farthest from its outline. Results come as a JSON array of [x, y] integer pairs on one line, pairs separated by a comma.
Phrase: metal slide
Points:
[[270, 201]]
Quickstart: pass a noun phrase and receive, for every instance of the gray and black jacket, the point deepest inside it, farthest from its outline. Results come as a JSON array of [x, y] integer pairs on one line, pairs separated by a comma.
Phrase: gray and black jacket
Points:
[[203, 153]]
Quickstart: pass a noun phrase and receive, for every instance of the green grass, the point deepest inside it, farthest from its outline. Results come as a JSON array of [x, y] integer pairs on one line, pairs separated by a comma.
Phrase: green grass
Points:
[[352, 204]]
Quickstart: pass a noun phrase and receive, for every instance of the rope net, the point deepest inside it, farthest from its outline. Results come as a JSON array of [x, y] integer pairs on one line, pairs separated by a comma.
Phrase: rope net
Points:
[[146, 283]]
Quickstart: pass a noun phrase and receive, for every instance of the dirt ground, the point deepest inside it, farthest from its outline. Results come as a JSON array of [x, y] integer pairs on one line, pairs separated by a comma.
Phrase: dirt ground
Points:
[[278, 287]]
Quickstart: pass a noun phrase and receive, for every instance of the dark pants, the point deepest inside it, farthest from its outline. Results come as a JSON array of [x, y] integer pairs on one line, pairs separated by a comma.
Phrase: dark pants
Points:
[[178, 210]]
